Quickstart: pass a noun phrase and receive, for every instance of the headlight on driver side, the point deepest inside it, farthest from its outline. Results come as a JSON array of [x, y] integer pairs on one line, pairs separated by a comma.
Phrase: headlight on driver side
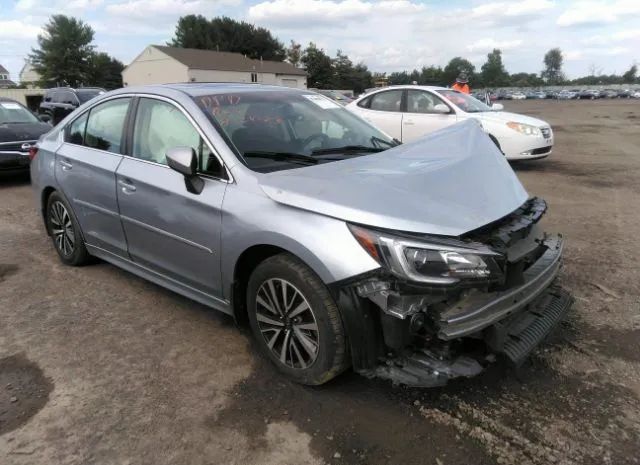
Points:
[[526, 129], [434, 262]]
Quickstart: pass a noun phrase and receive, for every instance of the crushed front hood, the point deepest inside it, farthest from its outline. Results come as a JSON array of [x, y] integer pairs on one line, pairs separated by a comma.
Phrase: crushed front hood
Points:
[[447, 183]]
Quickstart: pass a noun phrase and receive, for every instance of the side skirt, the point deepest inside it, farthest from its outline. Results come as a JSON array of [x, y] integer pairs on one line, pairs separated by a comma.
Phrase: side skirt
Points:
[[162, 280]]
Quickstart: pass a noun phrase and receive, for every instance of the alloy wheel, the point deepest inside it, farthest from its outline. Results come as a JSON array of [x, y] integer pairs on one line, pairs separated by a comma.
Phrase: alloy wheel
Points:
[[287, 323], [62, 228]]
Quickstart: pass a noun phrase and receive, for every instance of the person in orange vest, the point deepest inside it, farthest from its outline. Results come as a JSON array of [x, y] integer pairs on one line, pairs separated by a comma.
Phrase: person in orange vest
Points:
[[462, 84]]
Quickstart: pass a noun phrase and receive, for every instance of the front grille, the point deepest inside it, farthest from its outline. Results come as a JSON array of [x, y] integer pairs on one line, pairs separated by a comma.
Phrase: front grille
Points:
[[546, 132], [15, 146]]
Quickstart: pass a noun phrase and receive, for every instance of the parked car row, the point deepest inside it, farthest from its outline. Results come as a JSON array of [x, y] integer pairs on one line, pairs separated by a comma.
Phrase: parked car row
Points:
[[416, 262], [565, 94]]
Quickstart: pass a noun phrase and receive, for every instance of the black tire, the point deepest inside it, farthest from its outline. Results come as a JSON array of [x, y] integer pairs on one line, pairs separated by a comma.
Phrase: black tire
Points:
[[331, 356], [69, 244]]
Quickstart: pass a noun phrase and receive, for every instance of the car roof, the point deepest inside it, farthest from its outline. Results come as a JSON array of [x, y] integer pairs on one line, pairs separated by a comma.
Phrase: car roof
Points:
[[73, 89], [411, 86], [208, 88]]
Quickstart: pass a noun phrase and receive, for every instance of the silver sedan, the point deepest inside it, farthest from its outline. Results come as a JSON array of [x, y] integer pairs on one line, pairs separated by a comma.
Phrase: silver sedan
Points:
[[339, 246]]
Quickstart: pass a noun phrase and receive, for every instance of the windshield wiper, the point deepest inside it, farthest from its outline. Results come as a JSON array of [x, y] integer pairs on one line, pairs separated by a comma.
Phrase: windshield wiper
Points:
[[348, 149], [393, 143], [281, 156]]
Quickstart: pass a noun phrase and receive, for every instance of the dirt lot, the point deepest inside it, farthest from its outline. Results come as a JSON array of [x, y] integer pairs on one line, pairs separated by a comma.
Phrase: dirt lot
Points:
[[100, 367]]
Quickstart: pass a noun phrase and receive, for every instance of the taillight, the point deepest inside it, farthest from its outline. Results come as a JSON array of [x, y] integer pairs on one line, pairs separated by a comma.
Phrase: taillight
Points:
[[33, 151]]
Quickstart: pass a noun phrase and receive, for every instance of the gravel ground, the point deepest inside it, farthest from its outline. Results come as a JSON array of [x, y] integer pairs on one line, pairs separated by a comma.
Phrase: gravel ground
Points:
[[100, 367]]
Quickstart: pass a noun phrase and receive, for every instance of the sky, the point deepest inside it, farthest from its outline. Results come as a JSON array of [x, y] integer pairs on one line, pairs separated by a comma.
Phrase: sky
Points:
[[387, 35]]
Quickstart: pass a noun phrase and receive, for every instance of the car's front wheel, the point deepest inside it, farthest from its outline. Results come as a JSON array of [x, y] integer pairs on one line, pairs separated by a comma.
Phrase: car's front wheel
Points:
[[295, 321], [65, 232]]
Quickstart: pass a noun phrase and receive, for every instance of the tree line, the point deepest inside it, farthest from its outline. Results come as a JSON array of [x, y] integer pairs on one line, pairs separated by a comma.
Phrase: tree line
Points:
[[66, 56], [492, 74]]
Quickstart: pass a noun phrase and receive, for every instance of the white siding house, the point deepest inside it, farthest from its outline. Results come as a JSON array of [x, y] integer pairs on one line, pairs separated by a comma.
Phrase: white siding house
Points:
[[160, 64]]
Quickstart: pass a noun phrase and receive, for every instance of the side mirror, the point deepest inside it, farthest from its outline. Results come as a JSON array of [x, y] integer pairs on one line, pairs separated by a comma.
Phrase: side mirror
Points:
[[441, 108], [497, 107], [45, 118], [185, 161]]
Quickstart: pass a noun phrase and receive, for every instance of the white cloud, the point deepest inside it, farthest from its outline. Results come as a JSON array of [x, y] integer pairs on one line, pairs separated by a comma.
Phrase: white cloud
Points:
[[309, 13], [44, 7], [622, 36], [598, 13], [511, 9], [154, 8], [591, 53], [15, 29], [486, 45]]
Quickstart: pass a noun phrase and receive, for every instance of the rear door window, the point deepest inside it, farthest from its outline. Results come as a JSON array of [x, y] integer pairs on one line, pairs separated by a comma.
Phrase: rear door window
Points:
[[105, 125], [75, 133], [390, 100]]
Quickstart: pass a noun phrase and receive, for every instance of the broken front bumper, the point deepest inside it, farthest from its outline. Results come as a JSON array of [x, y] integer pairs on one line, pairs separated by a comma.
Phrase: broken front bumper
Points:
[[514, 337], [480, 309], [511, 323]]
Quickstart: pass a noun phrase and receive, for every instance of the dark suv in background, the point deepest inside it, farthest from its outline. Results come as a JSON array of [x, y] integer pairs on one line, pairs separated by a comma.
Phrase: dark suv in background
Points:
[[60, 101]]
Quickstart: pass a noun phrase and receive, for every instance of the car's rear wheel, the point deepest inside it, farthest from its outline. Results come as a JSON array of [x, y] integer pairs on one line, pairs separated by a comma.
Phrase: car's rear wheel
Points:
[[295, 321], [65, 232]]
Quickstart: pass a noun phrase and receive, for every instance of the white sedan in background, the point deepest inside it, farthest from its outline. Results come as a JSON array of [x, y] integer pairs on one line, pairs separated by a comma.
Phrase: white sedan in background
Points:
[[410, 112]]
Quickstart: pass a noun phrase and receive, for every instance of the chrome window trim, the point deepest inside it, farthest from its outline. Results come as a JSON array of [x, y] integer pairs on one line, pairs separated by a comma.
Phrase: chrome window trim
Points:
[[229, 180]]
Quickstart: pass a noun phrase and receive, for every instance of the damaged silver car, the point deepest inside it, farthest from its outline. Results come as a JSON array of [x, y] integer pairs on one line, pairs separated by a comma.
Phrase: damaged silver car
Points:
[[416, 263]]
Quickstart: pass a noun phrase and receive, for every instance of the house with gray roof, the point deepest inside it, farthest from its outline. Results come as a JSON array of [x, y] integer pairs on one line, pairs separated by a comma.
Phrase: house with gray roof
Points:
[[159, 64], [5, 78]]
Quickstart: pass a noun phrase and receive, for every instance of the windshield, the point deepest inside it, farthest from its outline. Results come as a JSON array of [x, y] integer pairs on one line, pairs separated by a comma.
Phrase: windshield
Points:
[[13, 112], [275, 130], [86, 95], [465, 102]]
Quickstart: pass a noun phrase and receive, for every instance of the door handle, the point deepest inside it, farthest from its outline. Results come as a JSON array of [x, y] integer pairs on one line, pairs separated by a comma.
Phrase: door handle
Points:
[[127, 187], [409, 123], [66, 166]]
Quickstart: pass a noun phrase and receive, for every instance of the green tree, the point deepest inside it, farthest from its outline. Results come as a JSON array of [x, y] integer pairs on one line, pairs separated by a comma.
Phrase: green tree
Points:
[[64, 52], [493, 72], [552, 73], [319, 67], [630, 76], [346, 75], [456, 66], [399, 78], [104, 71], [227, 35], [193, 31], [431, 75], [525, 80], [294, 53]]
